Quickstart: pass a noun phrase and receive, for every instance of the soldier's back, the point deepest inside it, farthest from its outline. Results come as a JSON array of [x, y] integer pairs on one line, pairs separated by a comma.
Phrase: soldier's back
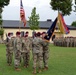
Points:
[[37, 46]]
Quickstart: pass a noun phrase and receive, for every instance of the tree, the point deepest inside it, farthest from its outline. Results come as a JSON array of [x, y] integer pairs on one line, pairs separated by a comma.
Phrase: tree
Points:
[[75, 1], [2, 4], [33, 20], [73, 24], [65, 6], [1, 17]]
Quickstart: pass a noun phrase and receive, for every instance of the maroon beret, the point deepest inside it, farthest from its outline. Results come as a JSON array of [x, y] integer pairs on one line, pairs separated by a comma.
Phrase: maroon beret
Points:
[[17, 33], [38, 34], [43, 32], [9, 34], [27, 32]]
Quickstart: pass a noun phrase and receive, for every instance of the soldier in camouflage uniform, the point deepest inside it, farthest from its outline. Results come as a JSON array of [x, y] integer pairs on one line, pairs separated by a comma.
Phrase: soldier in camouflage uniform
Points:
[[37, 53], [30, 40], [74, 41], [45, 52], [9, 49], [17, 50], [26, 50]]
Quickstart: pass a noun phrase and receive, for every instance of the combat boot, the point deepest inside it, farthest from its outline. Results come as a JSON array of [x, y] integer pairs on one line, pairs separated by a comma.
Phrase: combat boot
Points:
[[9, 64], [39, 71], [45, 68], [34, 71], [17, 69], [27, 66]]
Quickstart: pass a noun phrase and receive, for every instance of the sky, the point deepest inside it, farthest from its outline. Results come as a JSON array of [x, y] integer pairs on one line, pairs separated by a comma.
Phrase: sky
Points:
[[43, 8]]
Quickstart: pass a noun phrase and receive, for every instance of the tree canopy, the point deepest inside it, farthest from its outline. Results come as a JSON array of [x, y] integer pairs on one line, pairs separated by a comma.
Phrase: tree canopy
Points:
[[33, 20], [73, 24], [4, 3], [65, 6]]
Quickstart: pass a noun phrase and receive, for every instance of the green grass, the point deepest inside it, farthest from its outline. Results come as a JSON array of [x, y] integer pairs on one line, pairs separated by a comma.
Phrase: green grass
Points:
[[62, 61]]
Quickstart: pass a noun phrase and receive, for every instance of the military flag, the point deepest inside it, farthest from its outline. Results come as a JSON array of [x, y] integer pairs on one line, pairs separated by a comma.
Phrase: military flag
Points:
[[61, 24], [51, 30], [22, 13], [63, 28]]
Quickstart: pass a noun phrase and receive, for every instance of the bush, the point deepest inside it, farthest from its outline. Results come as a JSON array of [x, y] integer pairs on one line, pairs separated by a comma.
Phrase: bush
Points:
[[1, 31]]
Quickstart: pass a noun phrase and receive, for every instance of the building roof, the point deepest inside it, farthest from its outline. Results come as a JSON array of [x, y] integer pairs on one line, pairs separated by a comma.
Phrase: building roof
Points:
[[42, 24], [16, 24]]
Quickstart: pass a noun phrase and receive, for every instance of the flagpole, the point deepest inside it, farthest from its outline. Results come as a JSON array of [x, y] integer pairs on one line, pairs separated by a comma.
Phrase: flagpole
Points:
[[19, 25], [19, 19]]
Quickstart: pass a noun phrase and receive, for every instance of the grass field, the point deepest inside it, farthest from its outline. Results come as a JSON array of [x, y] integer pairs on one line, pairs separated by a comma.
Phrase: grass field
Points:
[[62, 61]]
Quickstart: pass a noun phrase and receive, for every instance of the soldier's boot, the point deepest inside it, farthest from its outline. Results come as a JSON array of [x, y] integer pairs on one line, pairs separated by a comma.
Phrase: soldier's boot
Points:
[[45, 68], [34, 71], [9, 64], [40, 70], [27, 65], [17, 69]]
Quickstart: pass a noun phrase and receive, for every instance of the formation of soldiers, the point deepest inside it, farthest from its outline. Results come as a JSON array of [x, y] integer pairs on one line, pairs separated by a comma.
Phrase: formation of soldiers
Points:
[[65, 41], [20, 47]]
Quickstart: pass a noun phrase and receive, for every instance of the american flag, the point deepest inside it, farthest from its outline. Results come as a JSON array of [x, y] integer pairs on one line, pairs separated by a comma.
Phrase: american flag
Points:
[[22, 13]]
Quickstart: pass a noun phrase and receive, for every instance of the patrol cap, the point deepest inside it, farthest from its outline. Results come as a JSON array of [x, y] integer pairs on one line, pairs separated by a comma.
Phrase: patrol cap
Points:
[[17, 33]]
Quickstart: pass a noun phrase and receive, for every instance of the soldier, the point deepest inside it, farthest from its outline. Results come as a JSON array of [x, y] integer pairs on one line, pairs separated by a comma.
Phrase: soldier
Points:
[[67, 42], [74, 41], [37, 53], [27, 33], [26, 50], [17, 50], [30, 39], [45, 52], [9, 49]]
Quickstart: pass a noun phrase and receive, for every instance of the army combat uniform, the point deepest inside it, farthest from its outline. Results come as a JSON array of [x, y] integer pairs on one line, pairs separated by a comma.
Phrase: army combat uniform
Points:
[[26, 51], [45, 54], [9, 50], [37, 53], [45, 51], [17, 51]]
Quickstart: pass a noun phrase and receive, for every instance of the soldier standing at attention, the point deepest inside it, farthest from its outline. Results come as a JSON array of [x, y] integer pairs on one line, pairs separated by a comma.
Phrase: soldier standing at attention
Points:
[[26, 50], [9, 49], [17, 51], [45, 52], [37, 53]]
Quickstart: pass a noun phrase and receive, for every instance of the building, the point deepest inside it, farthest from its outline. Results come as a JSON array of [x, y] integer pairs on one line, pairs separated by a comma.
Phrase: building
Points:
[[14, 26]]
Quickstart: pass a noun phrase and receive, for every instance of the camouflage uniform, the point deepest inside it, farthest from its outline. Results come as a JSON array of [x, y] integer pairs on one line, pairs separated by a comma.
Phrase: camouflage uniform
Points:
[[45, 54], [30, 42], [45, 51], [9, 50], [75, 42], [26, 51], [17, 51], [37, 52]]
